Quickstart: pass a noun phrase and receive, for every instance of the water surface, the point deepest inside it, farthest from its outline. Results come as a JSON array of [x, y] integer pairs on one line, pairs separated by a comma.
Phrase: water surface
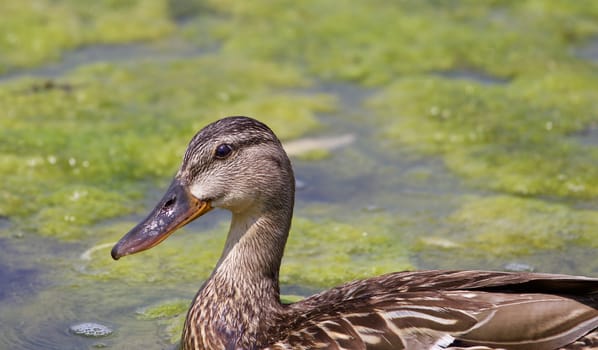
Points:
[[464, 156]]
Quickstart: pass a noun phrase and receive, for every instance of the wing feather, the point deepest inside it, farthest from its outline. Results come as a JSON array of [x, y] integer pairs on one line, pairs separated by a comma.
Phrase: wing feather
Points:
[[445, 310]]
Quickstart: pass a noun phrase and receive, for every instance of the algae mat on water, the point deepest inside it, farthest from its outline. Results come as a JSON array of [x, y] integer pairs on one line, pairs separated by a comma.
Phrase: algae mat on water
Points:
[[496, 90], [35, 31], [518, 138], [375, 42], [83, 150]]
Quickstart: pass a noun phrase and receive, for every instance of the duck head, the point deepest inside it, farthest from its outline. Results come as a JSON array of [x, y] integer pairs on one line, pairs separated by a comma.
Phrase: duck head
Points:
[[236, 163]]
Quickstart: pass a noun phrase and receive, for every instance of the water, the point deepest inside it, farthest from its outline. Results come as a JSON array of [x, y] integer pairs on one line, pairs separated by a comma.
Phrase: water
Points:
[[42, 300], [48, 286], [168, 50]]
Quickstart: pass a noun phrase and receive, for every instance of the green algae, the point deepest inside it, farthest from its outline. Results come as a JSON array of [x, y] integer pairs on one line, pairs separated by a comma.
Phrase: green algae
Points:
[[290, 298], [326, 253], [515, 226], [187, 258], [374, 42], [163, 309], [79, 207], [515, 138], [508, 226], [170, 316], [71, 158], [35, 31]]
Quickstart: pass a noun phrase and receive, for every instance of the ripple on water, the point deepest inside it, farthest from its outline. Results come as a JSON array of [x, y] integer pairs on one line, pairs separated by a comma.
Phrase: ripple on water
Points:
[[78, 336], [14, 281]]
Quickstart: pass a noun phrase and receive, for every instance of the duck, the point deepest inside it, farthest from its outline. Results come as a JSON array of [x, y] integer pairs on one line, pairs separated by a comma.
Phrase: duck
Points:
[[238, 164]]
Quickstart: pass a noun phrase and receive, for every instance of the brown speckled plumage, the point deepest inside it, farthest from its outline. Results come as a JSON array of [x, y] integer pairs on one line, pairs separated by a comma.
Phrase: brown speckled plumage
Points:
[[239, 307]]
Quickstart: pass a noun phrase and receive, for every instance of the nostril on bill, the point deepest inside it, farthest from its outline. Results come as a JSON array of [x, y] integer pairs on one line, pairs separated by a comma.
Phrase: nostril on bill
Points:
[[169, 203]]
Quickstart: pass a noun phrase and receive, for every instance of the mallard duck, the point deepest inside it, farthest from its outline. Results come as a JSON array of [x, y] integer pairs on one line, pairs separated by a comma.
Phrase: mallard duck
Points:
[[238, 164]]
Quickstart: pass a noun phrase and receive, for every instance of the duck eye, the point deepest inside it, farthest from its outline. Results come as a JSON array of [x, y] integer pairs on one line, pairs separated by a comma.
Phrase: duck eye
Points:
[[222, 151]]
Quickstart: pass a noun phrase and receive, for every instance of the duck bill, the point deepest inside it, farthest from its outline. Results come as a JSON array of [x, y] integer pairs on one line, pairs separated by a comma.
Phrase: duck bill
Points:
[[177, 208]]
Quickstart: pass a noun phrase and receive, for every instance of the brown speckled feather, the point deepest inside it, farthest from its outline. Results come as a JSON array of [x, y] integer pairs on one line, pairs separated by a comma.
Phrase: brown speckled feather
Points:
[[445, 309]]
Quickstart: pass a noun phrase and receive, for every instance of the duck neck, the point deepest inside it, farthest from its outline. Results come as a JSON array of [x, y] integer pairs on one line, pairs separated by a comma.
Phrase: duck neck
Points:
[[241, 299], [253, 250]]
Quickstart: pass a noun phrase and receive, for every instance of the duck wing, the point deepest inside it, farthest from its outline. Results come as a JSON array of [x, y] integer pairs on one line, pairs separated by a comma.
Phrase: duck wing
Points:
[[445, 310]]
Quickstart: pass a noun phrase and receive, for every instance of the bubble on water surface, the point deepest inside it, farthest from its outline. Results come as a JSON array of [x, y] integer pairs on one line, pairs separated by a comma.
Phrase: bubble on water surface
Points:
[[90, 329]]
